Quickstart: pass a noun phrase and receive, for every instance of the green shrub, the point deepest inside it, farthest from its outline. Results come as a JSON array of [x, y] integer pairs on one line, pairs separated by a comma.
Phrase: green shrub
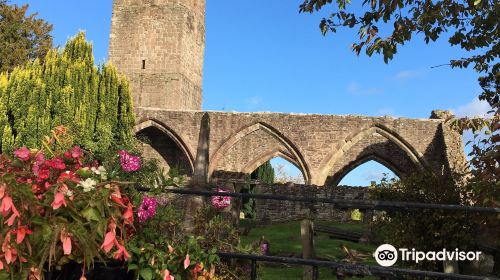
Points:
[[66, 88]]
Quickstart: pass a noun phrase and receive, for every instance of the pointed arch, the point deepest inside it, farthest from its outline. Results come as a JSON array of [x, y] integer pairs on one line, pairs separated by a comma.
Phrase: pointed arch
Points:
[[170, 134], [289, 150], [261, 159], [390, 134], [390, 165]]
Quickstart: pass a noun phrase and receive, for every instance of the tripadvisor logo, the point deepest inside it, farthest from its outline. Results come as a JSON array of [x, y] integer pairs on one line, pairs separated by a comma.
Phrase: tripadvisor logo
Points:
[[388, 255]]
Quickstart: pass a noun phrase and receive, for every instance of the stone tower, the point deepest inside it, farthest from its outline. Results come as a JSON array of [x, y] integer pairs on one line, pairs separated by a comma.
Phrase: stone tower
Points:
[[159, 45]]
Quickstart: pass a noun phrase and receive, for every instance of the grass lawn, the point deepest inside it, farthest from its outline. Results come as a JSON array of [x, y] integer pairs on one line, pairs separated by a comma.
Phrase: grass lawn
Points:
[[284, 239]]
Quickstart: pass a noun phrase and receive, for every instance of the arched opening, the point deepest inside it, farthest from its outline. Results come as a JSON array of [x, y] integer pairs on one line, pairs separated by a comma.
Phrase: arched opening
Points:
[[251, 147], [366, 174], [160, 145]]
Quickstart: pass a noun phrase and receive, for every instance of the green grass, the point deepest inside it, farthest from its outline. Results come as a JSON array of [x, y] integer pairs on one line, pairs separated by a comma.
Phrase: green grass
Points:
[[284, 240]]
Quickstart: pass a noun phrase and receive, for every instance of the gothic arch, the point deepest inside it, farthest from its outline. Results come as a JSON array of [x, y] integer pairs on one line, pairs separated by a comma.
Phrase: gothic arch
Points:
[[287, 150], [261, 159], [164, 134], [328, 167], [391, 166]]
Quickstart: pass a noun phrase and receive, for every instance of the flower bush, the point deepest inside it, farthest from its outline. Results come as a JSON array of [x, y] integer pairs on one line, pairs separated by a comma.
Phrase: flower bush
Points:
[[59, 205]]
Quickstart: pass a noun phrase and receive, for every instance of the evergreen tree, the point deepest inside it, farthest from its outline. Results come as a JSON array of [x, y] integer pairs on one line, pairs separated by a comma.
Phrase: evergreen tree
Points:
[[265, 173], [66, 89]]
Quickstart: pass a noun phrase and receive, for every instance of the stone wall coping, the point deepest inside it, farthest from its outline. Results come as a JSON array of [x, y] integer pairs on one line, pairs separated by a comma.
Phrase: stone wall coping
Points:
[[288, 114]]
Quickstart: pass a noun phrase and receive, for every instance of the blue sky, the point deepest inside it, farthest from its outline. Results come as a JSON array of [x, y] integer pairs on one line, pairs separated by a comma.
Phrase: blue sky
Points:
[[264, 56]]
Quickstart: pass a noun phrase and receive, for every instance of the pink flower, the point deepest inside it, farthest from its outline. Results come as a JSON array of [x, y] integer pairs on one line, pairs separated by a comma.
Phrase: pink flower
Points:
[[39, 160], [166, 275], [122, 252], [66, 242], [129, 162], [21, 233], [147, 209], [170, 249], [23, 153], [56, 163], [109, 241], [221, 202], [76, 152], [58, 201], [128, 216], [187, 261]]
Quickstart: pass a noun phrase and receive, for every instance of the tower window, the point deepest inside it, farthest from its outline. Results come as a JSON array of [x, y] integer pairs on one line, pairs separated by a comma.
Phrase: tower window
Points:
[[143, 64]]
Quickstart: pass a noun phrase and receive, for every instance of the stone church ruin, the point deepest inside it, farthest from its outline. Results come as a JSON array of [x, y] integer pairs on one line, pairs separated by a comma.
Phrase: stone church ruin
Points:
[[159, 45]]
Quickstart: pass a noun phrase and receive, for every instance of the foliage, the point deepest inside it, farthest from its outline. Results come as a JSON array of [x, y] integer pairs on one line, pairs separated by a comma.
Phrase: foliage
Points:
[[53, 202], [473, 25], [426, 229], [61, 206], [281, 176], [66, 89], [265, 173], [23, 38]]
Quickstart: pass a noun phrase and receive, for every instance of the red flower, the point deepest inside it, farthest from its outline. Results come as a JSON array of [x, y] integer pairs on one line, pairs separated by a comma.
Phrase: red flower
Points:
[[56, 163], [128, 216], [21, 233], [121, 253], [23, 153]]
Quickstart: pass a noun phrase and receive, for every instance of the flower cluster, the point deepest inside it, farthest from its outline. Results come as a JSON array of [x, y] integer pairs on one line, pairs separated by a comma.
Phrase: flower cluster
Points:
[[221, 202], [67, 190], [129, 162], [147, 209]]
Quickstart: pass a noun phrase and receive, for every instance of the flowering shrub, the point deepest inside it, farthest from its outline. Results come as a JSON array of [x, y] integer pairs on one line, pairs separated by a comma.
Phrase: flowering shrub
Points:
[[52, 206], [60, 205]]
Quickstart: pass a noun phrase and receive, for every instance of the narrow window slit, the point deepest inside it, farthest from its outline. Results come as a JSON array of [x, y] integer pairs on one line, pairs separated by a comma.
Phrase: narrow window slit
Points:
[[143, 64]]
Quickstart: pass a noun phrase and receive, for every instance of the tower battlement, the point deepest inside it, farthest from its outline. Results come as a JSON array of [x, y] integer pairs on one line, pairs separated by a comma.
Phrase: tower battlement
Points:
[[159, 45]]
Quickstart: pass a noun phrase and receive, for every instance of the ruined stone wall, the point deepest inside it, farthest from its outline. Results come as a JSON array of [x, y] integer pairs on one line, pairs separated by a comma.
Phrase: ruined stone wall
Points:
[[273, 211], [159, 45], [323, 147]]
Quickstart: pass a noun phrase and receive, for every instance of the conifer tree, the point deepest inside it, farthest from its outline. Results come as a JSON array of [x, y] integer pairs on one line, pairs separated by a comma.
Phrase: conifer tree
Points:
[[265, 173], [66, 88]]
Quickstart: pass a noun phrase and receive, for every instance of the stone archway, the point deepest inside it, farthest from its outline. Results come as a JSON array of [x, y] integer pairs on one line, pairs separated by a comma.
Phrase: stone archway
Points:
[[163, 144], [377, 142], [248, 148]]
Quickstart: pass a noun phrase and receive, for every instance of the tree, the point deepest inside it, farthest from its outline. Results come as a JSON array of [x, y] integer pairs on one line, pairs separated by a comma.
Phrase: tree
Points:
[[473, 25], [22, 37], [66, 88], [264, 173]]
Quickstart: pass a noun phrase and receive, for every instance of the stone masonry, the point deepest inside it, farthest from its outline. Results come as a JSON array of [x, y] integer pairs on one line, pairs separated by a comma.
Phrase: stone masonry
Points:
[[159, 44]]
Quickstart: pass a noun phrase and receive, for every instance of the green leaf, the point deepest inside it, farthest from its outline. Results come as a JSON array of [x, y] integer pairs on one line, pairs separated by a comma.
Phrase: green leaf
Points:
[[477, 2], [91, 214], [132, 266], [146, 273]]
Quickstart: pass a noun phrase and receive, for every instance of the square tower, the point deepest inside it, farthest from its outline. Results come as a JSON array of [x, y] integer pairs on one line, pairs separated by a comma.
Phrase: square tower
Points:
[[159, 45]]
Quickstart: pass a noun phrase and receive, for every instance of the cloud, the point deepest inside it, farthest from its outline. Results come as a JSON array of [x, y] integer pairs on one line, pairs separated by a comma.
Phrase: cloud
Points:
[[356, 88], [372, 175], [475, 108], [406, 75]]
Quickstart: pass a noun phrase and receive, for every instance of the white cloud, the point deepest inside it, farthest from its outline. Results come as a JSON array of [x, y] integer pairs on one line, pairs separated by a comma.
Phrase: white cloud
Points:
[[373, 175], [475, 108], [356, 88], [406, 75]]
